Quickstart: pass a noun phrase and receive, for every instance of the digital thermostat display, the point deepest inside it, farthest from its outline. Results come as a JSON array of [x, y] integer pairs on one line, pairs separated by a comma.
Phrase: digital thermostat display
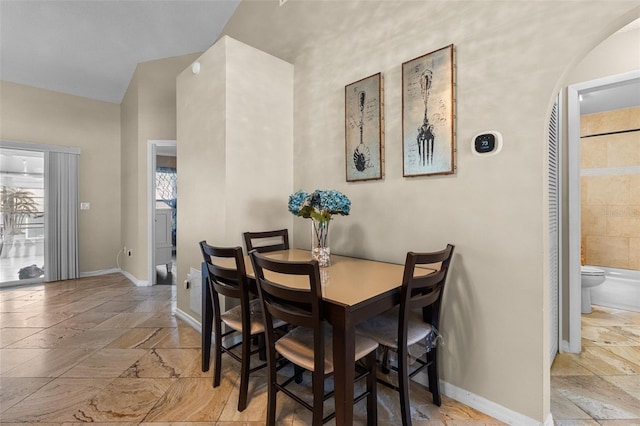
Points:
[[487, 143]]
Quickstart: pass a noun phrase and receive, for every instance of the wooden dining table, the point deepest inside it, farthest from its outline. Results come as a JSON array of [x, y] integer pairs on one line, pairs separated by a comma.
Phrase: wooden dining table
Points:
[[353, 290]]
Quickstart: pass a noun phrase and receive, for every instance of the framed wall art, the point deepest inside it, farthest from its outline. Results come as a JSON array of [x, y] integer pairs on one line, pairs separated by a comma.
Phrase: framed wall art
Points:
[[363, 129], [428, 135]]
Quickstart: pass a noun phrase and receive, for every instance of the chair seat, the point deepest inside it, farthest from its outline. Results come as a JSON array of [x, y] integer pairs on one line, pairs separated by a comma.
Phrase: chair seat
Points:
[[384, 328], [233, 318], [297, 347]]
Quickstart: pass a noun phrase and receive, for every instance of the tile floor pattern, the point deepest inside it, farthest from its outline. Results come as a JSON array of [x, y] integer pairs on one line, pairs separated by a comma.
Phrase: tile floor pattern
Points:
[[601, 385], [102, 350]]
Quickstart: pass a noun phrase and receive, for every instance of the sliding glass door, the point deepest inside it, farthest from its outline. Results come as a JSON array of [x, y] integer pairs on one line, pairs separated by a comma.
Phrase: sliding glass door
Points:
[[22, 236]]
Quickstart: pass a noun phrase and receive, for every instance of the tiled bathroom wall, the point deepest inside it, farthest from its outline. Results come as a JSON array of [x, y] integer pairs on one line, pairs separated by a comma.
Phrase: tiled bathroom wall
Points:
[[610, 188]]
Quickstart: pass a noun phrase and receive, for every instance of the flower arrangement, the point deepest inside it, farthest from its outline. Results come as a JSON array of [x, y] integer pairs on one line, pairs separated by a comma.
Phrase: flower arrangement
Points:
[[319, 205]]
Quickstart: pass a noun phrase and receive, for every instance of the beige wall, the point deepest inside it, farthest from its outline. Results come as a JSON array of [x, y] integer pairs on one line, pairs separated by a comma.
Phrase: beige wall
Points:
[[511, 59], [148, 113], [235, 151], [610, 190], [29, 114]]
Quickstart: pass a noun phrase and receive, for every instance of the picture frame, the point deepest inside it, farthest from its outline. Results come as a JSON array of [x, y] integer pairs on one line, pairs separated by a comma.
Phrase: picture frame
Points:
[[363, 129], [428, 118]]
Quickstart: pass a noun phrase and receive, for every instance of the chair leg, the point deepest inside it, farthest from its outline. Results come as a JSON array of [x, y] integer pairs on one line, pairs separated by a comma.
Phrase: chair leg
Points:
[[207, 324], [244, 372], [403, 385], [317, 383], [372, 383], [271, 390], [217, 368], [434, 381]]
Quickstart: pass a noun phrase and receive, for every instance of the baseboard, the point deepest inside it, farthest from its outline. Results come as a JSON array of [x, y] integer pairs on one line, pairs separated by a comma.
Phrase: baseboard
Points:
[[481, 404], [189, 320], [134, 280], [490, 408], [137, 282], [99, 272]]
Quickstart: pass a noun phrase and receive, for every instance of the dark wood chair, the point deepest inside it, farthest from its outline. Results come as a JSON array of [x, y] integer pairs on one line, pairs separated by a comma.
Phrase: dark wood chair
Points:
[[308, 345], [244, 319], [266, 241], [416, 319]]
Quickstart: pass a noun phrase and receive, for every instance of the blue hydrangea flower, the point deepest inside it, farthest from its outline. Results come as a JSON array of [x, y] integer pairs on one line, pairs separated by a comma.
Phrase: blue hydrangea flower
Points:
[[296, 201], [331, 201], [320, 204]]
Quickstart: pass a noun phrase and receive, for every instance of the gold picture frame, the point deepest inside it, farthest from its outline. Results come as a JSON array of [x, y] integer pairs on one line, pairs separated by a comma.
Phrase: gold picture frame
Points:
[[363, 129], [428, 105]]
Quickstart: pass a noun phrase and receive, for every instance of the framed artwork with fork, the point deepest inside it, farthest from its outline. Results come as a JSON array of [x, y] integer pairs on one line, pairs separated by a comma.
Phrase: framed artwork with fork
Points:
[[428, 135], [363, 129]]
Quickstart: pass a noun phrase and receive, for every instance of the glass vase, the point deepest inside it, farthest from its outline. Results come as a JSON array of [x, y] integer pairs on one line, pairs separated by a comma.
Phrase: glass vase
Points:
[[320, 242]]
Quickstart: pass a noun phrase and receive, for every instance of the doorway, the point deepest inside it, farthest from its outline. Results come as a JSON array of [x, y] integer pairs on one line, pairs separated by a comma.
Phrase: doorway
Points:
[[162, 212], [604, 87], [22, 233]]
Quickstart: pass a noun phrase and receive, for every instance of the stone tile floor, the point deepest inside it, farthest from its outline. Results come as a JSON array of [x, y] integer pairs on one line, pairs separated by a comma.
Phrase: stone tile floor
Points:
[[102, 350], [601, 385]]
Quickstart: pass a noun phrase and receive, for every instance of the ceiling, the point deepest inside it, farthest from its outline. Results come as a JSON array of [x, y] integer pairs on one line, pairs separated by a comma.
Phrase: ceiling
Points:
[[90, 48]]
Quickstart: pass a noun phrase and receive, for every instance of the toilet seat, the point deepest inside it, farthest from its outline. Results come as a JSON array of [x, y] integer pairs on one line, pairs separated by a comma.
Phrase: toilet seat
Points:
[[591, 271]]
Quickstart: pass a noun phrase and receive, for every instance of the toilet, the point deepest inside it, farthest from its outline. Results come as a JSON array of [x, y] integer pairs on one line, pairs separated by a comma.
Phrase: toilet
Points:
[[589, 277]]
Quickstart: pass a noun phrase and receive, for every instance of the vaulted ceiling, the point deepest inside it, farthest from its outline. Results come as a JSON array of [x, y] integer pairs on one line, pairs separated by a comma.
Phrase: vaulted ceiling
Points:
[[90, 48]]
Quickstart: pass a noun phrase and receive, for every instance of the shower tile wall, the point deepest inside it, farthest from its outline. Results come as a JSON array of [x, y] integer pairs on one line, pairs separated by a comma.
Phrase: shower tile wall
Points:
[[610, 188]]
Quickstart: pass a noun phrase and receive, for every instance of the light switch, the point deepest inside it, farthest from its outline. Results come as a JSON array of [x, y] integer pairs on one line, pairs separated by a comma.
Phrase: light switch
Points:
[[85, 206]]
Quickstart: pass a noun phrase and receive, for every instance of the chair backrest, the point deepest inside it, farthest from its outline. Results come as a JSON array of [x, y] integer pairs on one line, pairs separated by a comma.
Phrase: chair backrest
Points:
[[268, 243], [286, 295], [423, 290], [230, 281]]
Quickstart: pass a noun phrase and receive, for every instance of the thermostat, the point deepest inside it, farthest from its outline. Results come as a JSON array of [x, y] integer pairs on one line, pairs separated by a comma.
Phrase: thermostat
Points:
[[487, 143]]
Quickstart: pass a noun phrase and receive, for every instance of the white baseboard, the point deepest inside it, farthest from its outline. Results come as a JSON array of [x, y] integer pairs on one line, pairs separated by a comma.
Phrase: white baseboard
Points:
[[490, 408], [99, 272], [137, 282], [134, 280], [189, 320]]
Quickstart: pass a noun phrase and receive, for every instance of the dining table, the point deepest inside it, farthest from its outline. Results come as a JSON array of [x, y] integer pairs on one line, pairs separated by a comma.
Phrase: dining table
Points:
[[353, 290]]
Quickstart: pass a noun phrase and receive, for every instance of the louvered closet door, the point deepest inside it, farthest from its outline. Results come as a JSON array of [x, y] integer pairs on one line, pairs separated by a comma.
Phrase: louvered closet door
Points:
[[554, 216]]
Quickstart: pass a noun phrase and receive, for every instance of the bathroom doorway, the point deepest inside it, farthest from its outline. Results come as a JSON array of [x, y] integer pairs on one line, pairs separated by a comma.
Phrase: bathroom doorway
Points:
[[595, 96]]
